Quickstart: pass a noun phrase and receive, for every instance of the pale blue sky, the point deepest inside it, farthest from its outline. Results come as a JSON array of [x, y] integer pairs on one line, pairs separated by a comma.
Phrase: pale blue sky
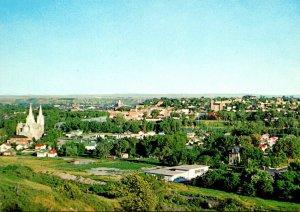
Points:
[[140, 46]]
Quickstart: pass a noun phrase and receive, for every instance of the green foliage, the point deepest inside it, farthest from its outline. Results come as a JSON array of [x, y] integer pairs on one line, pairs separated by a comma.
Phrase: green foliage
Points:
[[257, 182], [103, 148], [171, 149], [219, 179], [289, 145], [137, 194], [70, 190], [22, 189], [287, 185]]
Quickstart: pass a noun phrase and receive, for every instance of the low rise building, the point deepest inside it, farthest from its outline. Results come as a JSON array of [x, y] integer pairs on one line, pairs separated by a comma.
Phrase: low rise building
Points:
[[9, 153], [19, 139], [4, 147], [52, 153], [39, 147], [181, 173]]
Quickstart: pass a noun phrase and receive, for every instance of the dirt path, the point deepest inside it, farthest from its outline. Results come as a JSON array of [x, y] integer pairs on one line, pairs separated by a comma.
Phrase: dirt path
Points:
[[66, 176]]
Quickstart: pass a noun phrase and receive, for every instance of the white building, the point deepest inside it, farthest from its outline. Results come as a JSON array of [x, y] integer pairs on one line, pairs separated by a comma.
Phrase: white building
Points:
[[21, 147], [40, 147], [32, 128], [91, 146], [52, 153], [180, 173], [4, 147]]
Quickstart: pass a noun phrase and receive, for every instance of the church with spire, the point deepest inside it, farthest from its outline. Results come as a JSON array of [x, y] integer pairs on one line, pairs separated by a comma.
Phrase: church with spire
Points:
[[32, 129]]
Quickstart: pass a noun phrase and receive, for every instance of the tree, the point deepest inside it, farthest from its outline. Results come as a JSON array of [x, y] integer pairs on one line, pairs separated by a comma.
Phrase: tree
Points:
[[121, 146], [137, 194], [290, 145], [212, 179], [103, 148], [231, 181], [287, 186], [171, 149], [257, 183], [155, 113]]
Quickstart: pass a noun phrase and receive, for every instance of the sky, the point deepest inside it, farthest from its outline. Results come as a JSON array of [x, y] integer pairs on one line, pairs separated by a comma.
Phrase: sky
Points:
[[64, 47]]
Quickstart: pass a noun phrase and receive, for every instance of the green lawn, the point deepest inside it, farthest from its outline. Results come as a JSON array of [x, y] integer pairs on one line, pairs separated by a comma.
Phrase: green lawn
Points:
[[122, 165], [258, 203]]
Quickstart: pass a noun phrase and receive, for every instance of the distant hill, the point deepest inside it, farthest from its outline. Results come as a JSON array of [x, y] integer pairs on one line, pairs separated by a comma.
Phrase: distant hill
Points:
[[108, 99]]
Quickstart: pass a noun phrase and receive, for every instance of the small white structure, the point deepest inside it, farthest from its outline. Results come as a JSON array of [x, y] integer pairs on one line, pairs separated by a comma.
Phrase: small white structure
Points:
[[4, 147], [52, 153], [74, 133], [124, 155], [91, 146], [180, 173], [21, 147], [151, 133]]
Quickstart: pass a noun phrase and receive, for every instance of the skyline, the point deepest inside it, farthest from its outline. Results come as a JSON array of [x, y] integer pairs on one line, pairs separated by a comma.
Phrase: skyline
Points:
[[151, 47]]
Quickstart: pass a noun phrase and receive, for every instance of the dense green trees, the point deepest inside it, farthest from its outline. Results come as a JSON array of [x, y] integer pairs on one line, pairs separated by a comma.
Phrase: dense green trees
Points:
[[287, 184], [138, 193], [104, 147], [289, 145], [72, 149]]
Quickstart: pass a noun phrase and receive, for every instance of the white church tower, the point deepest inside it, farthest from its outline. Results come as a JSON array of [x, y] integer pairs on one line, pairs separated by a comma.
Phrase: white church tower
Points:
[[40, 119], [32, 128]]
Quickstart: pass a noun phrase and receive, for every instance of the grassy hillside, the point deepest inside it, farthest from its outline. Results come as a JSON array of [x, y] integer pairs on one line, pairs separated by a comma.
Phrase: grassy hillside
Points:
[[21, 189], [25, 188]]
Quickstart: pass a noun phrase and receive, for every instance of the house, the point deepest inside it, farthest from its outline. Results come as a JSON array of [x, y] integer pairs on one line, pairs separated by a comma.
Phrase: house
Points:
[[181, 173], [90, 146], [74, 133], [190, 135], [151, 133], [265, 137], [263, 147], [40, 147], [234, 155], [9, 153], [42, 154], [4, 147], [124, 155], [52, 153], [19, 139], [141, 132], [272, 141], [21, 147]]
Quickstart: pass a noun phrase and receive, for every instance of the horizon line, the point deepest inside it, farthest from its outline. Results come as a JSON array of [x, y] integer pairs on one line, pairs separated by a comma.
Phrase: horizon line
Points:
[[149, 94]]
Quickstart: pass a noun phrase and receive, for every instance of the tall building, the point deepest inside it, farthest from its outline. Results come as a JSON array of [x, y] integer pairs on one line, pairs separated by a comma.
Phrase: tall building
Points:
[[32, 128], [120, 104]]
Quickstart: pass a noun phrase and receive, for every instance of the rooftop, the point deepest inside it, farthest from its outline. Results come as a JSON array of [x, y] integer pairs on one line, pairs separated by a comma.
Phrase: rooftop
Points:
[[188, 167], [164, 171]]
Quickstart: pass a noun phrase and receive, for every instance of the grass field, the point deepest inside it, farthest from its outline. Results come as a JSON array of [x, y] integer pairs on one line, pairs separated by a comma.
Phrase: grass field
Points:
[[22, 192], [252, 203], [40, 164], [122, 165], [34, 195]]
